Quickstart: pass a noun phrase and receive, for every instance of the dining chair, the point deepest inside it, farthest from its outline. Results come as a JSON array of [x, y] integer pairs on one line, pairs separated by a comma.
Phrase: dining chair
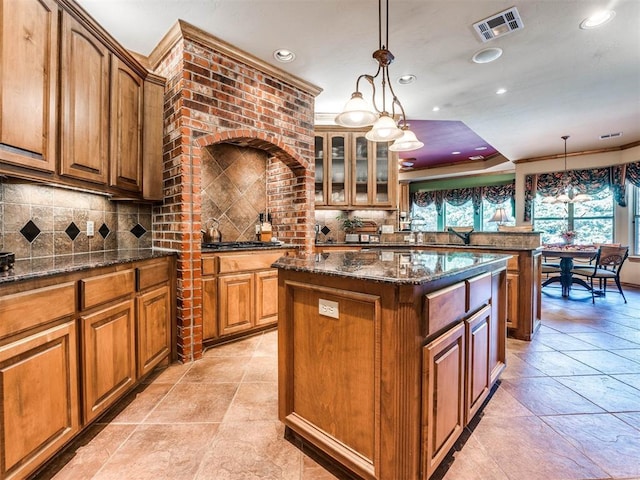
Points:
[[606, 266]]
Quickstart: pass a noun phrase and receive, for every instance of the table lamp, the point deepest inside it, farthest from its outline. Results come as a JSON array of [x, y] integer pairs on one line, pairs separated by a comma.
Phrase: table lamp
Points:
[[500, 216]]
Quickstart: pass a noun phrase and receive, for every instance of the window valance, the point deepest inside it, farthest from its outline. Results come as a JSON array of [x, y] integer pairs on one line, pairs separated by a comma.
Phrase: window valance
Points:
[[589, 181], [495, 194]]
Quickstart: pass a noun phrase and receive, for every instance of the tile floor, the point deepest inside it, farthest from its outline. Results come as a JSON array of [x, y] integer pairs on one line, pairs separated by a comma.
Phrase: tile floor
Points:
[[567, 407]]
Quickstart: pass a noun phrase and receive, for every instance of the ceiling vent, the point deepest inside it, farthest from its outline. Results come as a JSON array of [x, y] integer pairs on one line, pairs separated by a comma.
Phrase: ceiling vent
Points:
[[610, 135], [499, 24]]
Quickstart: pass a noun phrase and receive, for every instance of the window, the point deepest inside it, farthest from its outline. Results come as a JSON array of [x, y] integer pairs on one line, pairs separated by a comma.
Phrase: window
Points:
[[592, 221], [458, 216], [424, 219]]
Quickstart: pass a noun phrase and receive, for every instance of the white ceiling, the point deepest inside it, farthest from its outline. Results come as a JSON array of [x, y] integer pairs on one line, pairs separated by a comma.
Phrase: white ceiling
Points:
[[561, 80]]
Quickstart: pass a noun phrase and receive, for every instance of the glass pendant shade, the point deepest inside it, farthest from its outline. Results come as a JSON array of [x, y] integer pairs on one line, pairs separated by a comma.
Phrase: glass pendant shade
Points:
[[356, 113], [406, 143], [384, 130]]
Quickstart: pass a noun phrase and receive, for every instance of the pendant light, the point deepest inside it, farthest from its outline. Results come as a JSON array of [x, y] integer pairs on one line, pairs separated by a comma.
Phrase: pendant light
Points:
[[569, 193], [358, 113]]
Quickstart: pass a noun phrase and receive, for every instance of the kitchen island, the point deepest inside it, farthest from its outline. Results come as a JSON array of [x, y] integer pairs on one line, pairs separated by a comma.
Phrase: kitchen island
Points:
[[385, 356]]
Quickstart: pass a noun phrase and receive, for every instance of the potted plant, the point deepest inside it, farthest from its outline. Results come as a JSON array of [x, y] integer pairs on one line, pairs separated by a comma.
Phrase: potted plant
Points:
[[349, 224]]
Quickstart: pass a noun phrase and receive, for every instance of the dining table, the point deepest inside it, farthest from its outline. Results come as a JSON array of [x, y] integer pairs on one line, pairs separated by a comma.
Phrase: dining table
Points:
[[567, 254]]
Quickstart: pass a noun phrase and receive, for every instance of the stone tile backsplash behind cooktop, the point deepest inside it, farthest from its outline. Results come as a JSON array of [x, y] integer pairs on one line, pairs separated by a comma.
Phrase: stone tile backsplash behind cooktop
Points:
[[41, 221]]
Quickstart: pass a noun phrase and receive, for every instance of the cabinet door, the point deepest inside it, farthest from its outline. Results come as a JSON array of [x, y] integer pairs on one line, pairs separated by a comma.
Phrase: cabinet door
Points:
[[478, 339], [126, 127], [152, 165], [266, 297], [108, 356], [498, 346], [209, 308], [85, 104], [320, 159], [28, 82], [512, 300], [236, 308], [337, 181], [361, 170], [383, 180], [38, 398], [153, 328], [442, 396]]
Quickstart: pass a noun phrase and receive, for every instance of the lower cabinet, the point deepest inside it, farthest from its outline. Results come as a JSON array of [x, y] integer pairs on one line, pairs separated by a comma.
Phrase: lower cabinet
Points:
[[71, 345], [240, 293], [154, 332], [108, 356], [512, 295], [478, 339], [443, 399], [38, 398]]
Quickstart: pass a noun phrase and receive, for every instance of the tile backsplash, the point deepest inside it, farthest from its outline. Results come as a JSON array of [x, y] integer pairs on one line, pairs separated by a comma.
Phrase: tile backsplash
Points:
[[41, 221]]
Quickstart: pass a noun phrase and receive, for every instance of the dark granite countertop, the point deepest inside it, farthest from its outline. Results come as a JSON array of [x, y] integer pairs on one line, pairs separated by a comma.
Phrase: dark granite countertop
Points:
[[249, 246], [49, 266], [390, 266], [426, 246]]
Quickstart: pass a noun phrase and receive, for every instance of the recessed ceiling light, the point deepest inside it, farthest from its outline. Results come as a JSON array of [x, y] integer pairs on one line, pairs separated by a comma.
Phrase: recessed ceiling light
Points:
[[455, 153], [406, 164], [501, 91], [435, 109], [407, 79], [284, 56], [487, 55], [480, 148], [476, 157], [597, 19]]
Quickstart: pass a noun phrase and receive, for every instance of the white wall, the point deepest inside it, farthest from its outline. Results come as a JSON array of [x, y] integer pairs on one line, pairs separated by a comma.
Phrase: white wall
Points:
[[623, 215]]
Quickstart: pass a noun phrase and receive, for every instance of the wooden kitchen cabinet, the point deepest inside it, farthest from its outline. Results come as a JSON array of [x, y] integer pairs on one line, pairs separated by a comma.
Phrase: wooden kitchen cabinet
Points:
[[85, 64], [352, 172], [240, 293], [236, 303], [39, 398], [512, 295], [108, 356], [478, 341], [127, 111], [28, 83], [76, 108], [443, 396]]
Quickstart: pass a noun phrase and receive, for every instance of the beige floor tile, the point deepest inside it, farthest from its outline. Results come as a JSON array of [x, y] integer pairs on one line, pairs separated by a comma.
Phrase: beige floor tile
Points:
[[556, 363], [171, 374], [606, 362], [242, 348], [608, 393], [527, 448], [216, 370], [194, 403], [518, 368], [268, 346], [253, 401], [88, 453], [608, 441], [158, 452], [251, 450], [261, 369], [473, 462], [138, 404], [503, 404]]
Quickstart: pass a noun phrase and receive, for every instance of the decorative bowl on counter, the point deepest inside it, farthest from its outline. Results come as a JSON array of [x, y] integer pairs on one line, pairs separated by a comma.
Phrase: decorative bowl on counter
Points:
[[7, 260]]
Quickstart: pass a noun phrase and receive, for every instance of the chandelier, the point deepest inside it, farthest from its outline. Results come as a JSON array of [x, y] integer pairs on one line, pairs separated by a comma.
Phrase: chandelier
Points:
[[357, 112], [569, 193]]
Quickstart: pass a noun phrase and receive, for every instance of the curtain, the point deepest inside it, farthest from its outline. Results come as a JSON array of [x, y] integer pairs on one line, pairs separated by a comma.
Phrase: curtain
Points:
[[495, 194], [590, 181]]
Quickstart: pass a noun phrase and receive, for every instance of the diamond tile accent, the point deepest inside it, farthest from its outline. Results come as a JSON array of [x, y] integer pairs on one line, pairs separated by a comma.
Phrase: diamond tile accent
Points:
[[72, 231], [104, 230], [325, 230], [30, 231], [138, 230]]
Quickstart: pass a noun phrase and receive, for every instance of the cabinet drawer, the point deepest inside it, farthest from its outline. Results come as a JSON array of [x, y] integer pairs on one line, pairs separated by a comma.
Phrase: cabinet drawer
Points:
[[150, 275], [247, 261], [478, 291], [444, 307], [43, 305], [104, 288]]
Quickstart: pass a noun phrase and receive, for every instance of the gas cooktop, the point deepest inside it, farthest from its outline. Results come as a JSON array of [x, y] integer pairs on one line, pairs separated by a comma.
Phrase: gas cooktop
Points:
[[238, 245]]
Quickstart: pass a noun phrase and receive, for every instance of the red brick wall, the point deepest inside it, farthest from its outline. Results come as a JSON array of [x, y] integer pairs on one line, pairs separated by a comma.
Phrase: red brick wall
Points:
[[210, 98]]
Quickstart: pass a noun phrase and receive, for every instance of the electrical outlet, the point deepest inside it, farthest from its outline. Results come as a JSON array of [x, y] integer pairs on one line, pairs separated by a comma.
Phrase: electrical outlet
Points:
[[328, 308], [90, 231]]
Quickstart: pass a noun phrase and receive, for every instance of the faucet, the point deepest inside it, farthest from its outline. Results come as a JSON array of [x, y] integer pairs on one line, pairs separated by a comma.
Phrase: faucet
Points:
[[465, 235]]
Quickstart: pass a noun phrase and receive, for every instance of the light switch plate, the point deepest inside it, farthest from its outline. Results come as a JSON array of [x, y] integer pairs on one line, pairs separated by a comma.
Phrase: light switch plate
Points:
[[387, 228], [328, 308], [90, 230]]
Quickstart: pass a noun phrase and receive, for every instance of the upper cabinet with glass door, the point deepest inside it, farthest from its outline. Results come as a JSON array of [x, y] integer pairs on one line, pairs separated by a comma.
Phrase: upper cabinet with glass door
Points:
[[355, 173]]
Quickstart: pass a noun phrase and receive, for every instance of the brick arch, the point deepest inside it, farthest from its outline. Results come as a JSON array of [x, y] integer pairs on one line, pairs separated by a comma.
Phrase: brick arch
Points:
[[259, 140]]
